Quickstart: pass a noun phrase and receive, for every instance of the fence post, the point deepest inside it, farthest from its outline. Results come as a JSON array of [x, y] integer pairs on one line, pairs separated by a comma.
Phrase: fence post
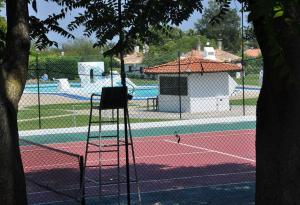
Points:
[[38, 84], [243, 82], [243, 71], [112, 83], [179, 85], [111, 72]]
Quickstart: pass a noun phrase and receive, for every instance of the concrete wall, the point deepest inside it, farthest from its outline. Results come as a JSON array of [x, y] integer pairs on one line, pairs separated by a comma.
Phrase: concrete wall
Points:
[[208, 85], [206, 93], [170, 103]]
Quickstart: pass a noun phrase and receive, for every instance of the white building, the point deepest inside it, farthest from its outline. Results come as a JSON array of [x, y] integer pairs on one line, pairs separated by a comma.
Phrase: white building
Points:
[[204, 84], [90, 72], [133, 62]]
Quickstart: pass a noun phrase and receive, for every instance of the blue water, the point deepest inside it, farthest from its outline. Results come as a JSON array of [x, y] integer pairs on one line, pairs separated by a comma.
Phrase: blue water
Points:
[[138, 93]]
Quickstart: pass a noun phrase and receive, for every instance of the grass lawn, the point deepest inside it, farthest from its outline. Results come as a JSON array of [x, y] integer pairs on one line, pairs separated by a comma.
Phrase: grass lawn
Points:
[[34, 113], [248, 101], [251, 79], [69, 121], [65, 106]]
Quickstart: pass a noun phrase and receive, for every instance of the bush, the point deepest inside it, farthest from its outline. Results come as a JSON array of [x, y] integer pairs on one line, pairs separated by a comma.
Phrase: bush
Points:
[[63, 66]]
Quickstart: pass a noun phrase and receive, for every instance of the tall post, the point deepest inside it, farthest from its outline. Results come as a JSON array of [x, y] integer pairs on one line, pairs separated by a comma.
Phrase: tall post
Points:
[[243, 71], [179, 85], [123, 80], [38, 84], [111, 72], [112, 83]]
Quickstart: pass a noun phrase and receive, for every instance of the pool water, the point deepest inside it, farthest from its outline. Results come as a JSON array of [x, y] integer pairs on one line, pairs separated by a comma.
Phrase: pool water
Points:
[[138, 93]]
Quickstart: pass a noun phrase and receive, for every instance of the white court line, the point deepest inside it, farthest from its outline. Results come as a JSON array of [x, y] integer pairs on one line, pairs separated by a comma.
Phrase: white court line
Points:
[[158, 191], [149, 139], [141, 157], [211, 150], [159, 180], [152, 156]]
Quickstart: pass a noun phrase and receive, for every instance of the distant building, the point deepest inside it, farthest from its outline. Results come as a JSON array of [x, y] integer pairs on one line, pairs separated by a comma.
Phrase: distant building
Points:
[[133, 62], [205, 85], [219, 55]]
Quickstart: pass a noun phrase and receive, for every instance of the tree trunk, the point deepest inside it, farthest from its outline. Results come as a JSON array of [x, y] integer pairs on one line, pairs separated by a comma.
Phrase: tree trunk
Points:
[[278, 111], [12, 81]]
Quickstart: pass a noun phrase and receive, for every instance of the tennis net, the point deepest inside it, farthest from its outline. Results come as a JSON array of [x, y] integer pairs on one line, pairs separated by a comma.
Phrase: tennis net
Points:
[[52, 174]]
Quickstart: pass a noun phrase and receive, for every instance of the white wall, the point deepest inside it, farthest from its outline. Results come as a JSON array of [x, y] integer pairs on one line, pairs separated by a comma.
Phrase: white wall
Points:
[[170, 103], [84, 71], [206, 93], [208, 85]]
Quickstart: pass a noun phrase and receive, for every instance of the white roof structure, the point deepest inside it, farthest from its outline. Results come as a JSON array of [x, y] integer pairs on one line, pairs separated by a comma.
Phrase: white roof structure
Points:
[[86, 69], [209, 53]]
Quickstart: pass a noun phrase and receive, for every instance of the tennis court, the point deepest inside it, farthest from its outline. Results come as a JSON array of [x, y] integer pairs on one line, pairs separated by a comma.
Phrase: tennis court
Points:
[[187, 164]]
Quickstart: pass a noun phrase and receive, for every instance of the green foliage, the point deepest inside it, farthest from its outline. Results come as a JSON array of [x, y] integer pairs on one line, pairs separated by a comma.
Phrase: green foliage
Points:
[[228, 28], [3, 29], [55, 67], [249, 37], [169, 48], [80, 47], [2, 3], [87, 52], [139, 19]]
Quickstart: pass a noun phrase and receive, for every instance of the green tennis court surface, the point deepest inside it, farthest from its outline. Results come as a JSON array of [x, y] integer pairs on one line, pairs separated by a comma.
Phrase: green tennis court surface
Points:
[[155, 131]]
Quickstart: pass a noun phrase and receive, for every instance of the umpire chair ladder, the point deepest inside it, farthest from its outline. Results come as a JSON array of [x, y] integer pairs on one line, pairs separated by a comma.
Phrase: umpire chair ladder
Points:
[[108, 146]]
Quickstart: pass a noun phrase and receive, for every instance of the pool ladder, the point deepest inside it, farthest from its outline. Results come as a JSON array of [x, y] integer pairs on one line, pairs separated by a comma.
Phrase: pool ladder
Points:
[[108, 148]]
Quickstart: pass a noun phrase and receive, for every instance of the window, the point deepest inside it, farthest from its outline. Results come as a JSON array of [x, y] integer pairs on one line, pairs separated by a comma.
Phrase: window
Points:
[[130, 68], [170, 85], [141, 70]]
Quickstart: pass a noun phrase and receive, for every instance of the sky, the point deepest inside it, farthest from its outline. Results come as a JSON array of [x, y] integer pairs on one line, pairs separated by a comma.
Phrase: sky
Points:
[[46, 8]]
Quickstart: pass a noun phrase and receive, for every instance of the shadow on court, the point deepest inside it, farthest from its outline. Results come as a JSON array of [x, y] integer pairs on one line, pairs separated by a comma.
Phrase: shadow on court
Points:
[[218, 184]]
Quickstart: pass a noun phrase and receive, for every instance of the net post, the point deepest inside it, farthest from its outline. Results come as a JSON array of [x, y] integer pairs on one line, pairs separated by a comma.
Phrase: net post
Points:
[[81, 178]]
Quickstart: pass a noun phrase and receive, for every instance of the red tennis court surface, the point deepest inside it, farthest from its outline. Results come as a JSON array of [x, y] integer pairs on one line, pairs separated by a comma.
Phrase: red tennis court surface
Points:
[[198, 160]]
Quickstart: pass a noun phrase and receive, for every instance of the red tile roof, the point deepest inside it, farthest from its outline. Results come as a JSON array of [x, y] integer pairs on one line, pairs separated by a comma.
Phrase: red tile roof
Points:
[[192, 64], [221, 55], [225, 56], [253, 52]]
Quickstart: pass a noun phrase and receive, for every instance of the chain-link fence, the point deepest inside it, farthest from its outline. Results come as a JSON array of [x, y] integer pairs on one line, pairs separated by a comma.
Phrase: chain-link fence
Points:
[[192, 119]]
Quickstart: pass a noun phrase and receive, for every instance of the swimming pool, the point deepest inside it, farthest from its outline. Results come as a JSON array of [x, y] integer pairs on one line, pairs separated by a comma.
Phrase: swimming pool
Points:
[[139, 92]]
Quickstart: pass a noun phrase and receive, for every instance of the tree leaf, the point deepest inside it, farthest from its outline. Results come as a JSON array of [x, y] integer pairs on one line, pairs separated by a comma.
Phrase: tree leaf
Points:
[[34, 5]]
